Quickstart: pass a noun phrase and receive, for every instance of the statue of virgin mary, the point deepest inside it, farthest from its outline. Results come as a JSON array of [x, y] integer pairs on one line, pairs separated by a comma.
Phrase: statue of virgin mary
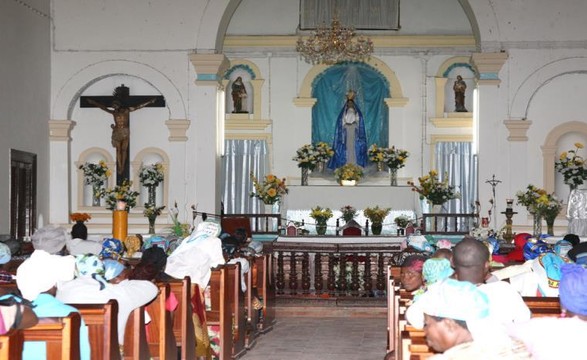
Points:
[[350, 140]]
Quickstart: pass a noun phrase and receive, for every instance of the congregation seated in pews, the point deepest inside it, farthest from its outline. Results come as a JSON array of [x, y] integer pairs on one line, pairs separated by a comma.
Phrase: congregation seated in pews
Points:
[[464, 317]]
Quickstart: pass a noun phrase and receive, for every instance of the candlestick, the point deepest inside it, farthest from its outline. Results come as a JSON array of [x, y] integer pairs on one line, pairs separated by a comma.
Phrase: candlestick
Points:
[[510, 203]]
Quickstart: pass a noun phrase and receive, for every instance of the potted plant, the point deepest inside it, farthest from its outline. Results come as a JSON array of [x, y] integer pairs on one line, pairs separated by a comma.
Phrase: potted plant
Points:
[[376, 216], [79, 229], [96, 175], [375, 154], [348, 213], [321, 215], [572, 167], [436, 192], [348, 174], [401, 222], [395, 159], [121, 194], [151, 212], [151, 176], [270, 190]]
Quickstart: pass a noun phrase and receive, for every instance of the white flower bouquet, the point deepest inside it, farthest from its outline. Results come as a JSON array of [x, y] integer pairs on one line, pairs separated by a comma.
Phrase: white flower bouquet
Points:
[[95, 174], [151, 175]]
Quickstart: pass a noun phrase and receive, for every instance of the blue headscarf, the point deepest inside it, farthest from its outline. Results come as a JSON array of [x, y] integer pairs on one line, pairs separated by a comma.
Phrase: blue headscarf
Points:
[[573, 288], [111, 249]]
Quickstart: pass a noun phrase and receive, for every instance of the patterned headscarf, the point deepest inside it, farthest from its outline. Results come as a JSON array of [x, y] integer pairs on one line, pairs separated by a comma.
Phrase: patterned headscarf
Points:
[[159, 241], [111, 249], [90, 265], [436, 269], [573, 288], [5, 254]]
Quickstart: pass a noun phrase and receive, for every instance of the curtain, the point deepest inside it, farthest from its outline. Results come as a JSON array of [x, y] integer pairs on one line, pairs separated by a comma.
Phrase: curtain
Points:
[[331, 87], [457, 161], [241, 158]]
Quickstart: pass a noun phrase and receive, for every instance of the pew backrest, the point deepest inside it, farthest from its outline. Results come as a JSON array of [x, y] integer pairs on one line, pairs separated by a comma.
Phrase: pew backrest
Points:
[[61, 334], [102, 323], [135, 336], [183, 325], [160, 337], [11, 345]]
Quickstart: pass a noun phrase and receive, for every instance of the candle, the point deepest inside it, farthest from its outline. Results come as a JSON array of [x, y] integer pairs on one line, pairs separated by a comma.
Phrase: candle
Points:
[[510, 203]]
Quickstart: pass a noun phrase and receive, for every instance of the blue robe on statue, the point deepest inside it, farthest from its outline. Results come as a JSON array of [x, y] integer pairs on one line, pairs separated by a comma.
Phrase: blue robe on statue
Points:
[[349, 136]]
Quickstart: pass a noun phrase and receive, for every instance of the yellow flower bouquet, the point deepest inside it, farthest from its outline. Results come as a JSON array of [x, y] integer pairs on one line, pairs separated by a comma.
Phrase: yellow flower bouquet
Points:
[[348, 172], [270, 190], [432, 189], [572, 167]]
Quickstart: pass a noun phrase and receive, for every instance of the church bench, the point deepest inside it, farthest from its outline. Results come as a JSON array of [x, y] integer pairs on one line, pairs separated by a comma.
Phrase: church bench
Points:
[[219, 316], [237, 301], [11, 345], [263, 273], [61, 335], [541, 302], [253, 319], [101, 320], [183, 325], [160, 337], [135, 337]]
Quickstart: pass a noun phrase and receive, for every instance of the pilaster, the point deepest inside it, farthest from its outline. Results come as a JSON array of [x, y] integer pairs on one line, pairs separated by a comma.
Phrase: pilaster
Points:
[[59, 170]]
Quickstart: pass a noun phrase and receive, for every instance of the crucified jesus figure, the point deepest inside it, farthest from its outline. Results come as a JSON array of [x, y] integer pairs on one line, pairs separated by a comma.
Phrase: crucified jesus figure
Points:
[[120, 128]]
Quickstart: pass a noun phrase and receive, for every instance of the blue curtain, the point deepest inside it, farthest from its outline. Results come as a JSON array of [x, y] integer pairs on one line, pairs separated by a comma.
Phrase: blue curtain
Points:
[[241, 158], [331, 87], [457, 161]]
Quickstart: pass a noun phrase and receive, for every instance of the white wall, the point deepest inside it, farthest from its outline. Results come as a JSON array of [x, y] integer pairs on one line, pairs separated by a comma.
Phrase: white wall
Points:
[[24, 85]]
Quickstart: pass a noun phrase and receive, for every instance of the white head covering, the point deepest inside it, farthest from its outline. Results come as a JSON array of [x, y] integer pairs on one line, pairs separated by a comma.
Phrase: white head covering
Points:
[[5, 254], [50, 238], [42, 271]]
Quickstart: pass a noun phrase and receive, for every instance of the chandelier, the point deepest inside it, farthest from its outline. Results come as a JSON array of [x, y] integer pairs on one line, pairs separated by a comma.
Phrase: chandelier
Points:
[[334, 44]]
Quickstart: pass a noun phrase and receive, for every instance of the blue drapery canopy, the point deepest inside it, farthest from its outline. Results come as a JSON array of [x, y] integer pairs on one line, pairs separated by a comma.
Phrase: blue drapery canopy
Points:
[[331, 87]]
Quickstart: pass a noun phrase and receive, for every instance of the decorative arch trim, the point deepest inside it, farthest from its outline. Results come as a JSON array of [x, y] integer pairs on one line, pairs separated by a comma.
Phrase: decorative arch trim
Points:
[[245, 65], [71, 90]]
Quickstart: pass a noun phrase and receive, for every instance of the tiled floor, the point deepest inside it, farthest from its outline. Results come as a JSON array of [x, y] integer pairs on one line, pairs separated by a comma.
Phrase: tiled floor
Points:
[[332, 338]]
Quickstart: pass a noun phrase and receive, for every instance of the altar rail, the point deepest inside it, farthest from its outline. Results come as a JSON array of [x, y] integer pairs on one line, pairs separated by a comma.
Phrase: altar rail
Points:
[[448, 224], [330, 269]]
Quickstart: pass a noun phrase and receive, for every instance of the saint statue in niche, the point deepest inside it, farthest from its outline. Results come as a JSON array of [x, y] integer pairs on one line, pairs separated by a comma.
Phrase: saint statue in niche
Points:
[[350, 140], [459, 87], [239, 96]]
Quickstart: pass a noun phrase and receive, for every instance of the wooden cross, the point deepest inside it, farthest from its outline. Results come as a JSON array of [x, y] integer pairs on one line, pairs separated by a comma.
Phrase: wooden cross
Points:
[[120, 105]]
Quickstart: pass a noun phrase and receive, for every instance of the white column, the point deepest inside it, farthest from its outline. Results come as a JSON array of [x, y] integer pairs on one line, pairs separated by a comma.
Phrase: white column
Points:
[[59, 170]]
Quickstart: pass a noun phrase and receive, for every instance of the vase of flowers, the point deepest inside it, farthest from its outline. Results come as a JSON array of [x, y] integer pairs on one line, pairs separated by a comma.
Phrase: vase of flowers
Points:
[[376, 215], [310, 157], [395, 159], [121, 194], [151, 176], [79, 229], [375, 154], [348, 213], [349, 173], [321, 215], [151, 212], [534, 199], [572, 167], [401, 222], [178, 228], [96, 175], [549, 206], [270, 191], [433, 190]]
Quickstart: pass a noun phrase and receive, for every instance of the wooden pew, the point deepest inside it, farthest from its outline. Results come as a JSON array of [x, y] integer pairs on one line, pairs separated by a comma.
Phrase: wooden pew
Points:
[[253, 319], [135, 337], [61, 334], [183, 324], [102, 323], [11, 345], [266, 290], [161, 340], [239, 313], [220, 315]]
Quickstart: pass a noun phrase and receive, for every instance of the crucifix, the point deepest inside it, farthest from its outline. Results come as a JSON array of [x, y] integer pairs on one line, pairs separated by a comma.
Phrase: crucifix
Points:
[[120, 105]]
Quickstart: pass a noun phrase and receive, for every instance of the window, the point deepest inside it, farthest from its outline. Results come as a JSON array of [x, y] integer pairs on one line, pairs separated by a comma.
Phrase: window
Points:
[[361, 14]]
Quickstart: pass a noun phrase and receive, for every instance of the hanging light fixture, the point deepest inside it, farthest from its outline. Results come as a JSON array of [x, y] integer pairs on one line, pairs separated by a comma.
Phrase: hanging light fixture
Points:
[[334, 44]]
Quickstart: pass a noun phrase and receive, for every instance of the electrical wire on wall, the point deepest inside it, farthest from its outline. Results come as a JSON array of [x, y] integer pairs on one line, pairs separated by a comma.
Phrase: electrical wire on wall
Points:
[[424, 101]]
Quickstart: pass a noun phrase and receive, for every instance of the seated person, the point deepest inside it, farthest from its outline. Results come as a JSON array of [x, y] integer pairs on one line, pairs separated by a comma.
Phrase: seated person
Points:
[[471, 263], [435, 270], [560, 337], [541, 276], [151, 266], [37, 279], [411, 274], [98, 281], [79, 244], [455, 316], [443, 253], [111, 249], [579, 251]]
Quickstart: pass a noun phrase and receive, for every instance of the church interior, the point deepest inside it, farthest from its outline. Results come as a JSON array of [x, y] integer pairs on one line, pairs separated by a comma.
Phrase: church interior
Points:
[[217, 95]]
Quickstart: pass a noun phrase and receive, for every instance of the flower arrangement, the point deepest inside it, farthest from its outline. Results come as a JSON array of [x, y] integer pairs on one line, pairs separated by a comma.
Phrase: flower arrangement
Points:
[[321, 215], [376, 214], [271, 190], [349, 172], [122, 192], [395, 158], [151, 175], [152, 211], [77, 217], [432, 189], [375, 153], [348, 213], [572, 167], [549, 206], [529, 198], [95, 174], [401, 221], [309, 155]]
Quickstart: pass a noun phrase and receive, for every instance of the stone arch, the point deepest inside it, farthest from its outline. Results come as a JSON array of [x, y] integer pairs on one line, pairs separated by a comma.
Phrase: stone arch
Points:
[[550, 148], [530, 86], [67, 96], [397, 95]]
